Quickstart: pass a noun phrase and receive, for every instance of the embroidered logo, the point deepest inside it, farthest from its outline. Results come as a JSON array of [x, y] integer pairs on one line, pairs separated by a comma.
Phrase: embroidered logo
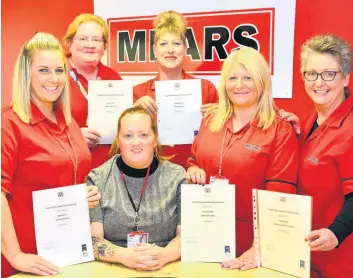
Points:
[[313, 160], [252, 147]]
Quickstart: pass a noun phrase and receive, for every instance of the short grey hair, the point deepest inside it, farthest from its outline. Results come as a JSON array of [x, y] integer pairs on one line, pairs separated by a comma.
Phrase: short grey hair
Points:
[[328, 44]]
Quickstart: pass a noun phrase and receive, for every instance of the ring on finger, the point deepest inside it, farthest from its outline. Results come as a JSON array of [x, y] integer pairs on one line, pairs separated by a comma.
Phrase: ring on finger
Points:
[[322, 246]]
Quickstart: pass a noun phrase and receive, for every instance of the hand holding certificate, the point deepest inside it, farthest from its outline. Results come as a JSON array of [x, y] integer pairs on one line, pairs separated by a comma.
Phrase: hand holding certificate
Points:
[[62, 225], [281, 222], [208, 222], [179, 110], [107, 99]]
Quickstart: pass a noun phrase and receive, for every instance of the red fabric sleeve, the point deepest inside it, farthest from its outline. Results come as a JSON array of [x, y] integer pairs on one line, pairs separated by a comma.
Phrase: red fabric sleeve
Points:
[[192, 156], [281, 174], [345, 167], [137, 92], [209, 92], [9, 151]]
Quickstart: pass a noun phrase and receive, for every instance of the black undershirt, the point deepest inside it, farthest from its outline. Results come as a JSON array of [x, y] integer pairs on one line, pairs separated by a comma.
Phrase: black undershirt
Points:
[[342, 226], [133, 172]]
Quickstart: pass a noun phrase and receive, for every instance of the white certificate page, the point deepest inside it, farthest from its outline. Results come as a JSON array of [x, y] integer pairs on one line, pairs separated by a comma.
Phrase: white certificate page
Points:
[[179, 110], [208, 222], [284, 220], [62, 225], [107, 99]]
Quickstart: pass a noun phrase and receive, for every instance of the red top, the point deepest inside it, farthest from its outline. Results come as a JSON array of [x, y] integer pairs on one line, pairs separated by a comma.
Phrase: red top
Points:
[[79, 108], [262, 159], [37, 156], [209, 95], [326, 173]]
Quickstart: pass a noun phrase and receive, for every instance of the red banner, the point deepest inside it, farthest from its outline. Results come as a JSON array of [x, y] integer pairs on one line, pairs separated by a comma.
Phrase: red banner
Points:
[[211, 36]]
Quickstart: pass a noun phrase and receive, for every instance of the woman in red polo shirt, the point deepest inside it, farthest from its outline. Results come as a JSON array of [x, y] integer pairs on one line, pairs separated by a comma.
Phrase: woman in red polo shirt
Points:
[[170, 50], [42, 147], [326, 154], [86, 39], [245, 141]]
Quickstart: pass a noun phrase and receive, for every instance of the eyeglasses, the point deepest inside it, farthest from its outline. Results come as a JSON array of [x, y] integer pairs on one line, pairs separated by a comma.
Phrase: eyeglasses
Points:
[[327, 75], [85, 41]]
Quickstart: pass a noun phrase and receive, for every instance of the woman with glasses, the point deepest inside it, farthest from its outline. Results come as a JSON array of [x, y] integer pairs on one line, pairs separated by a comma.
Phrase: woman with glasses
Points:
[[42, 147], [326, 163], [170, 48], [85, 40]]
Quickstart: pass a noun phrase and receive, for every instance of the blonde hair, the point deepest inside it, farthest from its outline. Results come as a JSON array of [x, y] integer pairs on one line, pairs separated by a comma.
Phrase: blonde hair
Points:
[[258, 68], [21, 84], [328, 44], [82, 18], [114, 149], [170, 22]]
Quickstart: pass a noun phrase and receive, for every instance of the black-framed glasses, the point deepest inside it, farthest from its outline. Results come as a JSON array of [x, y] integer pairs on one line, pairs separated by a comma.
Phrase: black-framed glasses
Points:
[[327, 75]]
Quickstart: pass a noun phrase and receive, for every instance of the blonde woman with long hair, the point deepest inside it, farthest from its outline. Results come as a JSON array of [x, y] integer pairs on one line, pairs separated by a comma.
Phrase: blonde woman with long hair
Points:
[[244, 142], [42, 148]]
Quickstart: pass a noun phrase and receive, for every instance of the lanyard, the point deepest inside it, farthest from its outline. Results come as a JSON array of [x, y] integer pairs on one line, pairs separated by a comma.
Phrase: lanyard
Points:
[[224, 150], [137, 219], [78, 83]]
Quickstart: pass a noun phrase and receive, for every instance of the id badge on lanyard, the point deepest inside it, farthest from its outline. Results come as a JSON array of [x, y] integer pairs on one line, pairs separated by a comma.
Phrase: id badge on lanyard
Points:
[[220, 179], [136, 237]]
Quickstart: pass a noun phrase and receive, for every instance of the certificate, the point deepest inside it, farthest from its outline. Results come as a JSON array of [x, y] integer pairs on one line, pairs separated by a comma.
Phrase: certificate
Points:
[[281, 222], [107, 99], [179, 110], [62, 225], [208, 222]]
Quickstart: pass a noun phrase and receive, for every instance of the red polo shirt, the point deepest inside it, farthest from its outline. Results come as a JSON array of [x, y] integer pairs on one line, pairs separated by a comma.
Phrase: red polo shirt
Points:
[[37, 156], [79, 108], [326, 173], [262, 159], [209, 95]]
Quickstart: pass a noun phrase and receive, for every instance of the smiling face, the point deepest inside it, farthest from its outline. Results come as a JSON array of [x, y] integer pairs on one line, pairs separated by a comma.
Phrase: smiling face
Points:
[[136, 140], [240, 88], [170, 51], [87, 47], [48, 76], [325, 93]]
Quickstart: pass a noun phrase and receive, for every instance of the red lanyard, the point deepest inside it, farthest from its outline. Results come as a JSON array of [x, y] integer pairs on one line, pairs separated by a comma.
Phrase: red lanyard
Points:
[[137, 219], [230, 144], [224, 150]]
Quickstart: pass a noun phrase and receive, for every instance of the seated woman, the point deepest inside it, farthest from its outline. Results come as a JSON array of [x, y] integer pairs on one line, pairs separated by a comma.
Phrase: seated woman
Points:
[[140, 191], [245, 141]]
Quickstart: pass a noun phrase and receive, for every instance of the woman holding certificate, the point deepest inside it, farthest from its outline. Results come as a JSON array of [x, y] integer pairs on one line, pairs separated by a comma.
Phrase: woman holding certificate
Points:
[[326, 163], [140, 199], [170, 49], [244, 142], [42, 148], [86, 39]]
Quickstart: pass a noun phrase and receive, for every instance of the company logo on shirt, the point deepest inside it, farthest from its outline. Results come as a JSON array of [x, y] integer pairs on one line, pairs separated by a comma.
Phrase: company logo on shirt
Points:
[[313, 160], [210, 38], [252, 147]]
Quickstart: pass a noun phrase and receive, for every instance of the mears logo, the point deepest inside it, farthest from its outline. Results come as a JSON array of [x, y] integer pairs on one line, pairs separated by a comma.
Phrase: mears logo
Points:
[[211, 37]]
